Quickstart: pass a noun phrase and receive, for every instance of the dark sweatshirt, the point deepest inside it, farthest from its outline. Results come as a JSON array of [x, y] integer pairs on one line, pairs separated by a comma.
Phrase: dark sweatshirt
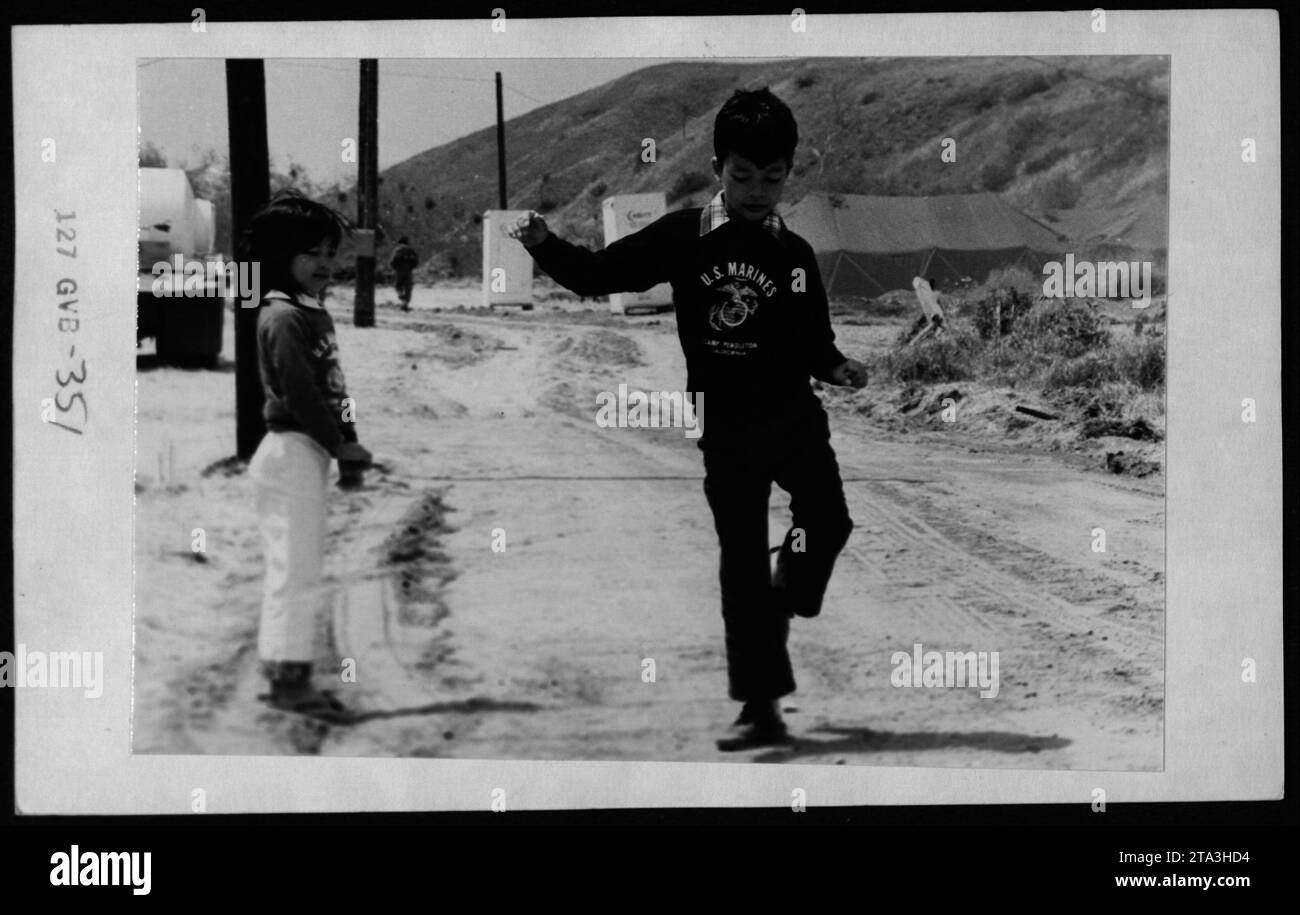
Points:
[[404, 258], [751, 328], [302, 381]]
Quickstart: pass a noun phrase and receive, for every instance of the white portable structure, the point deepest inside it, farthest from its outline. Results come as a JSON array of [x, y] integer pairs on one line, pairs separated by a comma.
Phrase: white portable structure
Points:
[[507, 265], [624, 214]]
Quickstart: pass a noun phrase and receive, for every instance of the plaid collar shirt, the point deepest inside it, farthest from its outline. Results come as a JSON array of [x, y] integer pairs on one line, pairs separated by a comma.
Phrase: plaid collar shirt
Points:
[[714, 214]]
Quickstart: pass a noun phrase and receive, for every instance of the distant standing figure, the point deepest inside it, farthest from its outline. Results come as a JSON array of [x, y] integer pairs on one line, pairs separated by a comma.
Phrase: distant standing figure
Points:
[[403, 262], [929, 300]]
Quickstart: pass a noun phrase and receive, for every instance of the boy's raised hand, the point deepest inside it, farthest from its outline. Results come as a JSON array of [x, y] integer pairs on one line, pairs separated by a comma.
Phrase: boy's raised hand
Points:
[[530, 229], [850, 372]]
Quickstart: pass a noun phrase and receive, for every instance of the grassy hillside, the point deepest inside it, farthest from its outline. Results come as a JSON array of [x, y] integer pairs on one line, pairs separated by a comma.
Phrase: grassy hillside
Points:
[[1065, 139]]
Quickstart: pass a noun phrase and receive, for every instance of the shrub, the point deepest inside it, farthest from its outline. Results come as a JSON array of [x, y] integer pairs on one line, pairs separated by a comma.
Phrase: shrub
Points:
[[1046, 160], [1141, 365], [889, 306], [1027, 86], [1060, 192], [870, 97], [806, 80], [997, 173], [1022, 132], [1017, 277], [996, 314], [1088, 371], [1063, 328], [688, 183], [944, 358], [151, 156], [982, 96], [1144, 363]]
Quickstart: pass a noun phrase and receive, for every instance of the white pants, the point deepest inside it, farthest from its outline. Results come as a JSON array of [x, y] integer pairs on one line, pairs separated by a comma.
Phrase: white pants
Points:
[[291, 475]]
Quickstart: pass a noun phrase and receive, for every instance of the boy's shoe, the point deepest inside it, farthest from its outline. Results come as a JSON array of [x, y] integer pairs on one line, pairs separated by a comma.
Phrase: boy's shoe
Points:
[[806, 611], [292, 691], [759, 725]]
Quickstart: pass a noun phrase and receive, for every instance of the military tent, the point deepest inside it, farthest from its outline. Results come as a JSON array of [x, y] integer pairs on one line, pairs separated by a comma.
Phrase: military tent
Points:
[[1137, 230], [867, 246]]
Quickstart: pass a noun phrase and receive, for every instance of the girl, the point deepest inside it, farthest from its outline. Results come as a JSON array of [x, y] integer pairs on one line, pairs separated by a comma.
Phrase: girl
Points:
[[294, 240]]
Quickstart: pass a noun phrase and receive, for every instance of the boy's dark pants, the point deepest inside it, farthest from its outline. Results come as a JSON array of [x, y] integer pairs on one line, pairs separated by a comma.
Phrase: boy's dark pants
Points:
[[756, 607]]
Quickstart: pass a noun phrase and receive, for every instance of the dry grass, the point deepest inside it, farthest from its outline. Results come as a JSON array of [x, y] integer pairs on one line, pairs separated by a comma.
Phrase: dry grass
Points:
[[1001, 334]]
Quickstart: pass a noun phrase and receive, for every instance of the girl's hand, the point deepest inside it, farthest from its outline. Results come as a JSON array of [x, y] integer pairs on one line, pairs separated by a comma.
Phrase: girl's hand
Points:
[[850, 372], [530, 229], [353, 453], [352, 474]]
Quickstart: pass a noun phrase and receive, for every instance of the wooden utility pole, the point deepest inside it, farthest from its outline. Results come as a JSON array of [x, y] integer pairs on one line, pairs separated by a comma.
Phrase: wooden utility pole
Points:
[[501, 148], [363, 306], [250, 189]]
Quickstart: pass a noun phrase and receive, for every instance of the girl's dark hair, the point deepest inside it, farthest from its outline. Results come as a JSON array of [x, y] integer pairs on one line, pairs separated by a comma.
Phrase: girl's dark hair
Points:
[[757, 125], [286, 227]]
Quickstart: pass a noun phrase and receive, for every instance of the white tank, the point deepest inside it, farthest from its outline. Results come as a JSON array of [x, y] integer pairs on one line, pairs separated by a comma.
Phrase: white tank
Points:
[[170, 213]]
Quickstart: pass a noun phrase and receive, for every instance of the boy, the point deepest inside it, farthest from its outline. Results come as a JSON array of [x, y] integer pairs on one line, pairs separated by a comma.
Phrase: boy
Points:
[[308, 424], [753, 322]]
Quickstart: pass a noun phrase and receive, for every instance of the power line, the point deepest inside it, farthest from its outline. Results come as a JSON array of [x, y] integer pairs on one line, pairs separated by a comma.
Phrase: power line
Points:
[[387, 72], [526, 95], [295, 63], [425, 76], [429, 76]]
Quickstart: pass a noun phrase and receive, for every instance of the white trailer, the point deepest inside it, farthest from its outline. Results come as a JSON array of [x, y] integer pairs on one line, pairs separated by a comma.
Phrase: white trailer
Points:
[[624, 214], [507, 265]]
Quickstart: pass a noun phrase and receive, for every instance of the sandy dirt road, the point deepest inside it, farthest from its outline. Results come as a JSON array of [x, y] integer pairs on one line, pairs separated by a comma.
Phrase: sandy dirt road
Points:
[[485, 425]]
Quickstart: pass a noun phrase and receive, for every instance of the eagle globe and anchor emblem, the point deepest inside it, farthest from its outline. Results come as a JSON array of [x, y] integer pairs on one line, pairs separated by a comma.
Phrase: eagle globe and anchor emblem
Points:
[[733, 305]]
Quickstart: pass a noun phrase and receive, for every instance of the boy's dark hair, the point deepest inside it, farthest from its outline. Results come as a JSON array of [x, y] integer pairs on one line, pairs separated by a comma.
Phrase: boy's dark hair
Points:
[[286, 227], [757, 125]]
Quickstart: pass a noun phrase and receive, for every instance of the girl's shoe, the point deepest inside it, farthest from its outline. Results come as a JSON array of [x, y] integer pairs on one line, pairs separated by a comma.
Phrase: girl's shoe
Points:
[[292, 691]]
